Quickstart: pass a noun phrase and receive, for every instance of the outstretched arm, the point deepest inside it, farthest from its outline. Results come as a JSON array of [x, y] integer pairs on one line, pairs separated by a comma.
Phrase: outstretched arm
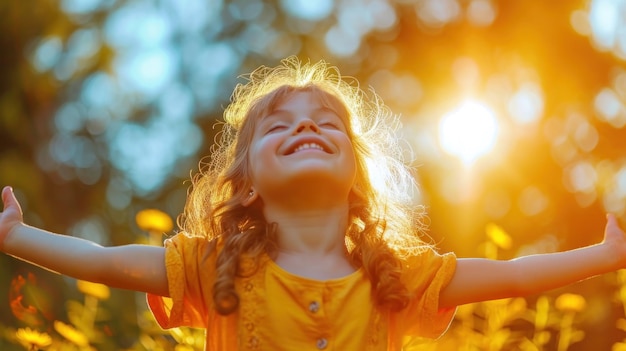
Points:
[[134, 267], [482, 279]]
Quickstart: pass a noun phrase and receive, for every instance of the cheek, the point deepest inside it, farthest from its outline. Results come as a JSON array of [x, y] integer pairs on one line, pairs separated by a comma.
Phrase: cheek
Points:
[[261, 148], [350, 161], [260, 154], [355, 169]]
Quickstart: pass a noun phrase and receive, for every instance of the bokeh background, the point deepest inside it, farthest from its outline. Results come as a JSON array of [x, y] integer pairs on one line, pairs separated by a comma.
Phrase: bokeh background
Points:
[[514, 111]]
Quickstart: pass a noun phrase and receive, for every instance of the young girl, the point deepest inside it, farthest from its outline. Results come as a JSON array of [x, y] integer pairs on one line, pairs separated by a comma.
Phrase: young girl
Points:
[[298, 233]]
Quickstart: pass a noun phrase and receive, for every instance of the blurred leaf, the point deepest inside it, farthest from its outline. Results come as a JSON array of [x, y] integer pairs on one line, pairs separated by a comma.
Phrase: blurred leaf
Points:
[[99, 291], [498, 236]]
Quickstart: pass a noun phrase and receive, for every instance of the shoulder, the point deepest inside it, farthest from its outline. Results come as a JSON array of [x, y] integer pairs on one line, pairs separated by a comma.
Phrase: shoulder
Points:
[[427, 265], [426, 255], [190, 246], [186, 239]]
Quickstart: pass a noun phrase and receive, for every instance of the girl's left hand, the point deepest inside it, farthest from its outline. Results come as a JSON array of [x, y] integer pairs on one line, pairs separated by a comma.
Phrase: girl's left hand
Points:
[[615, 237]]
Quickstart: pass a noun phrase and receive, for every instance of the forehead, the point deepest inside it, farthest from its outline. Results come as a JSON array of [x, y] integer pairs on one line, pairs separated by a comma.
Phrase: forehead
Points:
[[289, 98], [300, 101]]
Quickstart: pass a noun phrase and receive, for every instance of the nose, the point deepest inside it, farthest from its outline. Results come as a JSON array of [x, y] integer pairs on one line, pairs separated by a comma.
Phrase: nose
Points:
[[306, 124]]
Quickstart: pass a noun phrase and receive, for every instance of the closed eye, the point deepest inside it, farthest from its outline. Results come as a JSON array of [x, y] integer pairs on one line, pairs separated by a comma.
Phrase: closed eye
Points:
[[275, 128], [332, 125]]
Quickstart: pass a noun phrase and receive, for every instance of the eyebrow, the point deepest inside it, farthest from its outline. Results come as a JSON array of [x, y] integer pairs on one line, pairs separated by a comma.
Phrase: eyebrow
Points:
[[317, 110]]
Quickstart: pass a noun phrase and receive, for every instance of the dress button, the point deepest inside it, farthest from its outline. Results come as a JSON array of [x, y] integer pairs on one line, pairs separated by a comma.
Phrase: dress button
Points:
[[253, 342], [314, 306], [321, 343]]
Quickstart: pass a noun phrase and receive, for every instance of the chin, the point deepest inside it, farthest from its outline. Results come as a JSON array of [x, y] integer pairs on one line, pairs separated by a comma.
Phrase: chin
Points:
[[312, 184]]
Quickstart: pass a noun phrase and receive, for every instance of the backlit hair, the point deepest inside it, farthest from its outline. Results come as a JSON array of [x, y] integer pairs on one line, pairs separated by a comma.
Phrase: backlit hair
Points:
[[384, 226]]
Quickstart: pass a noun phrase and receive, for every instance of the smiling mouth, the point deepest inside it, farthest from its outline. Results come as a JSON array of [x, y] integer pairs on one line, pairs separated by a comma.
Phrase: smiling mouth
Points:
[[308, 146]]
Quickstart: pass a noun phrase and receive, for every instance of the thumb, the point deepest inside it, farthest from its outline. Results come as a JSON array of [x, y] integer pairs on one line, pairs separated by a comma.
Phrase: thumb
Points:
[[610, 218], [611, 222], [9, 199]]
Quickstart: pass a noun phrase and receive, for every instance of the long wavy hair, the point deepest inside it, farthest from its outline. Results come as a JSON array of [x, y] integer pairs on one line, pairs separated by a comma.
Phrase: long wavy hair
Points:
[[384, 225]]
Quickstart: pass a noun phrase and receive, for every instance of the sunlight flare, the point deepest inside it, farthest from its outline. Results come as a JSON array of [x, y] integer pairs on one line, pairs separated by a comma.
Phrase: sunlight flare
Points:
[[469, 131]]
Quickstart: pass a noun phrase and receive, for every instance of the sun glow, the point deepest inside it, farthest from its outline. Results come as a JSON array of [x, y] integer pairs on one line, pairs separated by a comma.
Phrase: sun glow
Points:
[[469, 131]]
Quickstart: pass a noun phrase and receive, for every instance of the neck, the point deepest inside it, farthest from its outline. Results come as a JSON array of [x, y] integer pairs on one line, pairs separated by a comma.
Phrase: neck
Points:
[[313, 230], [311, 243]]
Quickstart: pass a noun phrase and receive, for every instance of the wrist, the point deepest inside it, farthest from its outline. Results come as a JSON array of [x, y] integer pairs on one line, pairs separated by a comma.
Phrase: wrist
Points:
[[5, 237], [614, 256]]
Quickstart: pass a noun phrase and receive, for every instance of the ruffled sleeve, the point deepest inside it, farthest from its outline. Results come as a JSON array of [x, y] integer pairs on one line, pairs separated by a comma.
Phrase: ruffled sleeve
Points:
[[190, 266], [425, 276]]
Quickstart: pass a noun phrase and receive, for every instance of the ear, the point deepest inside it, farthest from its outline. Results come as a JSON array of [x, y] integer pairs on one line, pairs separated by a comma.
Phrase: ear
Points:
[[252, 196]]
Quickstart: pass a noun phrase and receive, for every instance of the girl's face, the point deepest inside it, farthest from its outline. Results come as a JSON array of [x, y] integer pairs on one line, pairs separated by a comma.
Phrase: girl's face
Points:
[[302, 142]]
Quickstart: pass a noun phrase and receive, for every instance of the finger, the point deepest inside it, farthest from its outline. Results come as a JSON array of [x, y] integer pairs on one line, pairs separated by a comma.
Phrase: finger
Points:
[[8, 197], [5, 195], [610, 218], [611, 222]]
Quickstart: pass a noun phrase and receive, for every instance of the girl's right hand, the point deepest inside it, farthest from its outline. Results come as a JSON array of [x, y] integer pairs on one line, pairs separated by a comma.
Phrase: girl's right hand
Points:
[[10, 216]]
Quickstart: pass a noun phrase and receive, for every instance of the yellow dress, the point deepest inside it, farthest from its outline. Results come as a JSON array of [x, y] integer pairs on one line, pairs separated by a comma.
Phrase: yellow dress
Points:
[[281, 311]]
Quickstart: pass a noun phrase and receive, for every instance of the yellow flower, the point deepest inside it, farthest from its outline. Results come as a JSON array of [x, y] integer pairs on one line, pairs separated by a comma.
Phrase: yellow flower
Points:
[[71, 334], [33, 338], [152, 220], [498, 236], [99, 291], [570, 303]]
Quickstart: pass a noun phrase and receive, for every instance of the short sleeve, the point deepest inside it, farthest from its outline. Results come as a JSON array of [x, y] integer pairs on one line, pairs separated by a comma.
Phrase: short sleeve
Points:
[[190, 267], [426, 274]]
